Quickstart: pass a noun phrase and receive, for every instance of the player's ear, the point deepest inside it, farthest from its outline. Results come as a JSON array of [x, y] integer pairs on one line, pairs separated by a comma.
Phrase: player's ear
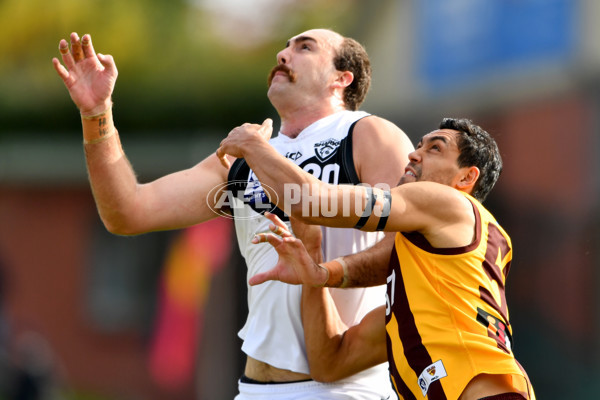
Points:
[[344, 79], [468, 179]]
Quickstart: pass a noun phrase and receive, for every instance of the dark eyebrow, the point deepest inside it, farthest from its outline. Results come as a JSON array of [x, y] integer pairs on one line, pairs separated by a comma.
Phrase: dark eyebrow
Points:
[[434, 138], [300, 39]]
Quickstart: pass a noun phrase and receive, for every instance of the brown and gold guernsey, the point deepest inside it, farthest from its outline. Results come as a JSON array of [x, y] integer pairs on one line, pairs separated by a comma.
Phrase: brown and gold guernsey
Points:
[[446, 314]]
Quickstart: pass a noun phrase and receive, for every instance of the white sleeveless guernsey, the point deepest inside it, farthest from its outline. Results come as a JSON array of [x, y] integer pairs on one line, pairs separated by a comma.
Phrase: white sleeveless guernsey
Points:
[[273, 330]]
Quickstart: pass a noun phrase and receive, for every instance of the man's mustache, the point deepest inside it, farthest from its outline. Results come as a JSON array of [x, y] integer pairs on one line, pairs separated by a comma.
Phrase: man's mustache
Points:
[[281, 68]]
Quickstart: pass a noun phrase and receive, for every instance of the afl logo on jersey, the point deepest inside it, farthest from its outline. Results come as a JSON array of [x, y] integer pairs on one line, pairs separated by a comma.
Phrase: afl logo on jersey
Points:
[[326, 149]]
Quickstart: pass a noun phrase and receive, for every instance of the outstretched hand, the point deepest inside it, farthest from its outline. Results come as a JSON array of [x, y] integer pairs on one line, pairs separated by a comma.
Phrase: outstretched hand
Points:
[[236, 141], [89, 77], [295, 265]]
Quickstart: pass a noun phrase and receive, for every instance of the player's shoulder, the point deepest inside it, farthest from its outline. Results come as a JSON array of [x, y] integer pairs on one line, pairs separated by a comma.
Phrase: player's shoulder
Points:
[[377, 131], [375, 125]]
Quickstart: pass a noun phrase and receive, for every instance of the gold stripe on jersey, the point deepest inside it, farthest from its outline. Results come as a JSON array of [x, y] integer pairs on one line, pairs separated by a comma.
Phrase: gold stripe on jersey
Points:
[[446, 317]]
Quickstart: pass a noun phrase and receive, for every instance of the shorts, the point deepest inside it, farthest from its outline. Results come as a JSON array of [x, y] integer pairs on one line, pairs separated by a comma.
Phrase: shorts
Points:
[[306, 390]]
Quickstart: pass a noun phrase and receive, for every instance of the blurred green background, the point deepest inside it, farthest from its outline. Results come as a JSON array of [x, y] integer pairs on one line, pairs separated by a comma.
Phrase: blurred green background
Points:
[[182, 64]]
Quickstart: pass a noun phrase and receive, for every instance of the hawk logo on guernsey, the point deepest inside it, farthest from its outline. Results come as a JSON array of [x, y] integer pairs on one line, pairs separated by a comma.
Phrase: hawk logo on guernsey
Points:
[[326, 149], [430, 374]]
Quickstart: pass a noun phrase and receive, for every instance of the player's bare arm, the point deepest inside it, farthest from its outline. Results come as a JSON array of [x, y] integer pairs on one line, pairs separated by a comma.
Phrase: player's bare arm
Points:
[[363, 269], [295, 268], [126, 206], [412, 207], [337, 352]]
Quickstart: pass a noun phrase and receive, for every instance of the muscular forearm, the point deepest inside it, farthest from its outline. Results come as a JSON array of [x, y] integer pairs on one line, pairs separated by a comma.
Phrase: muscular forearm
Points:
[[302, 195], [335, 351], [323, 334], [111, 177], [363, 269], [323, 327]]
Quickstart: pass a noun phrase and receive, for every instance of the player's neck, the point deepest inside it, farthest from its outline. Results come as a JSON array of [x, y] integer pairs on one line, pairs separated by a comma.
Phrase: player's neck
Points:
[[295, 121]]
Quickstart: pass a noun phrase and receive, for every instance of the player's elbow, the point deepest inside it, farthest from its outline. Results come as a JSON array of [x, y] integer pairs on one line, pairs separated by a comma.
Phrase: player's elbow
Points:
[[119, 225], [118, 229]]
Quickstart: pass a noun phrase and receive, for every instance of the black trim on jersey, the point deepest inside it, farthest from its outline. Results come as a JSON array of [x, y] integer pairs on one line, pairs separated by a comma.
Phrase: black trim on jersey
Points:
[[238, 167], [348, 157]]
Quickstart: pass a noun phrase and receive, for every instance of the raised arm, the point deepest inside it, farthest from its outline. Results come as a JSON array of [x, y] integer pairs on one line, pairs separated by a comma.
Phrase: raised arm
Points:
[[126, 206]]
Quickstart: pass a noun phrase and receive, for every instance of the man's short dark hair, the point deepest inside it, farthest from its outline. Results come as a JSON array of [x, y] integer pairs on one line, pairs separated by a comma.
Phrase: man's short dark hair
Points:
[[477, 148], [351, 56]]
